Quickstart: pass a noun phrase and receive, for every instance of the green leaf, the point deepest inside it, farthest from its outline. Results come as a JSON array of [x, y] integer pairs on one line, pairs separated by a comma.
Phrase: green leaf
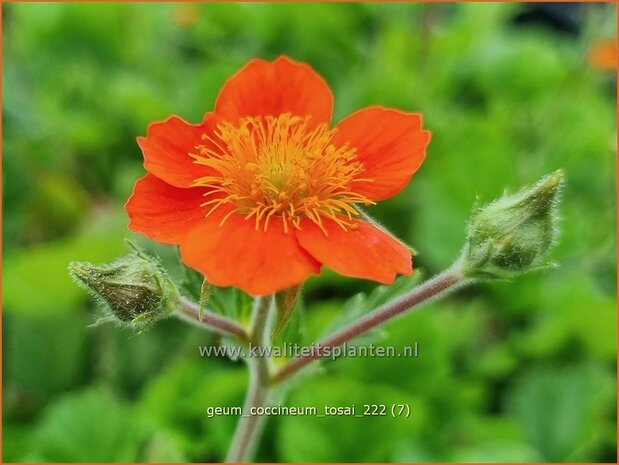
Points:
[[190, 280], [89, 426], [360, 304], [558, 409], [59, 366], [293, 330], [232, 303], [177, 402], [343, 438], [285, 303], [35, 281], [16, 442], [162, 448], [498, 452], [578, 311]]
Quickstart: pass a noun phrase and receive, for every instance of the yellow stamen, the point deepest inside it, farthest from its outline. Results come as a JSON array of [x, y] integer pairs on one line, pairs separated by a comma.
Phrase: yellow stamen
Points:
[[281, 166]]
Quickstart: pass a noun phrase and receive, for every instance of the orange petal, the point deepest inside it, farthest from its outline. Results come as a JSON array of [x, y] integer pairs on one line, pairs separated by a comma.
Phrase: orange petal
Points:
[[364, 252], [272, 88], [235, 254], [167, 146], [162, 212], [389, 143]]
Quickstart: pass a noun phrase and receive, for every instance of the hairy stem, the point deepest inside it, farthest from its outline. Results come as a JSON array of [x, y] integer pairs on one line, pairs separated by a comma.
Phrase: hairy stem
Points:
[[447, 281], [249, 427], [190, 311]]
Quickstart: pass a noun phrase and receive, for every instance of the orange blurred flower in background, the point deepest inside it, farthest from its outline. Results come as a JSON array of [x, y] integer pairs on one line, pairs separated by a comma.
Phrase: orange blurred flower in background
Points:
[[185, 15], [602, 55], [264, 192]]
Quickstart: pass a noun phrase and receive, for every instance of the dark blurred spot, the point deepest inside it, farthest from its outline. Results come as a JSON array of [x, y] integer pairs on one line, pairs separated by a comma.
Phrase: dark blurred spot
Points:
[[562, 17]]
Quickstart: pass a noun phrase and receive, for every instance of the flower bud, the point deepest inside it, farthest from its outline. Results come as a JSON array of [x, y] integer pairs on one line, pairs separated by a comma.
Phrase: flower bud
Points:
[[513, 234], [134, 290]]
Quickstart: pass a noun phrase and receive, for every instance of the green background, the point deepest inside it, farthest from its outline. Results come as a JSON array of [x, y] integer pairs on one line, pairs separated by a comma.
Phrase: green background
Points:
[[510, 371]]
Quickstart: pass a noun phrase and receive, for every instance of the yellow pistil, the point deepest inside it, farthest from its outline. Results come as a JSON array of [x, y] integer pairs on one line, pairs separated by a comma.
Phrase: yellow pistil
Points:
[[279, 166]]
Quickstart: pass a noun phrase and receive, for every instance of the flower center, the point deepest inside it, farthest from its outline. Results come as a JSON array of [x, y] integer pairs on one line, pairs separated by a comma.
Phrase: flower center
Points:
[[279, 166]]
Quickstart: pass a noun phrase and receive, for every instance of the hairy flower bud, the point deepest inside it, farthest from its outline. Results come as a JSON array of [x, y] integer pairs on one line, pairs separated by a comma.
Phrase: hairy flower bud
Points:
[[134, 290], [513, 234]]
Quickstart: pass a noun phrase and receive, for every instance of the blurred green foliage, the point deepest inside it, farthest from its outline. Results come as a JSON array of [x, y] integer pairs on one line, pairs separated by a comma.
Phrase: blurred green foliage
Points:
[[519, 371]]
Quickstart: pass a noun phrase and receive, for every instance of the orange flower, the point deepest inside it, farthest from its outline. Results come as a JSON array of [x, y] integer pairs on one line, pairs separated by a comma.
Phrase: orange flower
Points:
[[263, 192], [602, 55]]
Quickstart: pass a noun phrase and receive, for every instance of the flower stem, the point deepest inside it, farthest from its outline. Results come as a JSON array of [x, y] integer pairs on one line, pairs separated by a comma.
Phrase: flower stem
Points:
[[446, 281], [190, 311], [249, 427]]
